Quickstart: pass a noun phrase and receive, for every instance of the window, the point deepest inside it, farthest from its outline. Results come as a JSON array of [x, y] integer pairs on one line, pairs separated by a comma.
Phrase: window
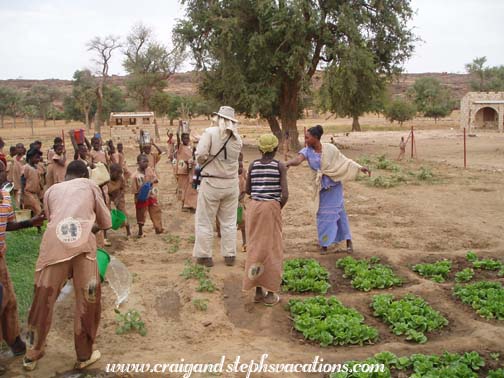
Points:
[[146, 121], [118, 121], [132, 121]]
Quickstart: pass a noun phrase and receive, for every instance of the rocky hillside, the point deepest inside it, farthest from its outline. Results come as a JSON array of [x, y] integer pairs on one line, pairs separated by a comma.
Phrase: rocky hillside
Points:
[[186, 83]]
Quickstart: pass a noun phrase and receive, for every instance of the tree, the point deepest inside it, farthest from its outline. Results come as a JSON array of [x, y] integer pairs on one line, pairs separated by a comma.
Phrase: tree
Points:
[[353, 87], [260, 56], [476, 68], [40, 97], [487, 78], [84, 93], [149, 65], [7, 96], [400, 111], [31, 111], [113, 101], [103, 49], [431, 99]]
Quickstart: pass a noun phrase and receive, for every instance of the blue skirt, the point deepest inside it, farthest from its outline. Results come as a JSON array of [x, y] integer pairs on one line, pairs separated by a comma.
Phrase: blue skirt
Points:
[[332, 219]]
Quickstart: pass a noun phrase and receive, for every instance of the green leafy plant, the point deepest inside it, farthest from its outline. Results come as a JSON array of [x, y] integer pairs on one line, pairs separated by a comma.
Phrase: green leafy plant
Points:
[[464, 275], [437, 272], [200, 273], [368, 274], [498, 373], [129, 321], [200, 304], [328, 322], [485, 264], [485, 297], [191, 239], [425, 174], [446, 365], [174, 241], [495, 356], [305, 275], [410, 316]]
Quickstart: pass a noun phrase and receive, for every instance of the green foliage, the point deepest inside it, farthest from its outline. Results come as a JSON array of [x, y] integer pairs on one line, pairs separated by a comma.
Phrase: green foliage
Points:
[[329, 322], [400, 111], [174, 241], [464, 275], [410, 316], [425, 174], [259, 57], [437, 272], [129, 321], [354, 86], [9, 102], [431, 98], [22, 253], [485, 264], [446, 365], [385, 164], [148, 64], [191, 239], [368, 274], [303, 275], [495, 356], [485, 79], [486, 297], [200, 273], [498, 373], [200, 304]]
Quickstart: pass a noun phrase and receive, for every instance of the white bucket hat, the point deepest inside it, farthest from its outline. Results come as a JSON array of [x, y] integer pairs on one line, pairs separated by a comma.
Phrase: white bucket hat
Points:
[[227, 112]]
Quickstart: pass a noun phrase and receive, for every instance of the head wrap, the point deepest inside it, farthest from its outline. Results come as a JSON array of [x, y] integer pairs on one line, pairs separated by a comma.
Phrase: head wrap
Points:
[[267, 143]]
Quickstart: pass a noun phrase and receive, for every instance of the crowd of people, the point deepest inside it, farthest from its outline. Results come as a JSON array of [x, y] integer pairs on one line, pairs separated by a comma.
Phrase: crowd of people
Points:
[[75, 194]]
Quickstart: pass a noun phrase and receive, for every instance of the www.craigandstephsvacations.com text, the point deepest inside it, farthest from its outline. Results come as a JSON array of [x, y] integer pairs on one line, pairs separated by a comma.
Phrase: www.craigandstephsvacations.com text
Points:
[[247, 368]]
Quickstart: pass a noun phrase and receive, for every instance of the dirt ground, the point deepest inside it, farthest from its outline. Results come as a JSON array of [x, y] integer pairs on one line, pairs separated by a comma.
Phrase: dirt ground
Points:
[[404, 225]]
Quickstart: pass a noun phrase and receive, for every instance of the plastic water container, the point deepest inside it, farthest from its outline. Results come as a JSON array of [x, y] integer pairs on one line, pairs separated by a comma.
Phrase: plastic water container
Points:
[[103, 260], [118, 218], [79, 136]]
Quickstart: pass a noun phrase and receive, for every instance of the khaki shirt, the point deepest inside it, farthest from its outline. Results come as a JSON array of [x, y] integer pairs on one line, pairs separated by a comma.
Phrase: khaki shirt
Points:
[[72, 208], [224, 171]]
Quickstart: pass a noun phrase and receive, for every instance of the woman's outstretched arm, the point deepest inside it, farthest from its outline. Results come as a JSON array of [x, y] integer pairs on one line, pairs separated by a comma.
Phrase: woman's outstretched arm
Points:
[[295, 161]]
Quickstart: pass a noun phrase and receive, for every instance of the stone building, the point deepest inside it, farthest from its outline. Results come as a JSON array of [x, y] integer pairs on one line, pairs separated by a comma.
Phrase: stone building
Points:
[[126, 126], [482, 110]]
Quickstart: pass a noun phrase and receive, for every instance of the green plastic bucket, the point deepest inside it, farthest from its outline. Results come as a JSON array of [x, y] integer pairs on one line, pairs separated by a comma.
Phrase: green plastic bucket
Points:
[[102, 259], [239, 215], [118, 218]]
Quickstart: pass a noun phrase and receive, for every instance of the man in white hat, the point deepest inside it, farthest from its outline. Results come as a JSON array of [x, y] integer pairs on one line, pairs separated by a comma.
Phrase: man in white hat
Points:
[[217, 153]]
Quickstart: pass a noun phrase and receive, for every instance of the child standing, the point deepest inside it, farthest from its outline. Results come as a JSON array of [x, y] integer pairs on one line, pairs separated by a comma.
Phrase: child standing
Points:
[[186, 193], [56, 169], [97, 154], [267, 186], [116, 190], [143, 175], [31, 183], [122, 161]]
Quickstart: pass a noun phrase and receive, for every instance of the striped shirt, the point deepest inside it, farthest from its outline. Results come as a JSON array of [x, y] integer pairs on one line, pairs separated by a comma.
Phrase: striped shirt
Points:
[[265, 181], [6, 215]]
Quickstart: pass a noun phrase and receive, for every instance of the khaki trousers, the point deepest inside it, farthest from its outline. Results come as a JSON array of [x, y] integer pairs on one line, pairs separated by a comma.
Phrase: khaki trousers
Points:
[[48, 284], [221, 204], [9, 321]]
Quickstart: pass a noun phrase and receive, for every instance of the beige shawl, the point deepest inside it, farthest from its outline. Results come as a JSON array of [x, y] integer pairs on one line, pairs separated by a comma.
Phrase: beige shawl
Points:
[[336, 166]]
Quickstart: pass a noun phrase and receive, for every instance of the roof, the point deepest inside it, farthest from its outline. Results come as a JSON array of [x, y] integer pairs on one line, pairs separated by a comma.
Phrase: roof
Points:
[[489, 102], [132, 114]]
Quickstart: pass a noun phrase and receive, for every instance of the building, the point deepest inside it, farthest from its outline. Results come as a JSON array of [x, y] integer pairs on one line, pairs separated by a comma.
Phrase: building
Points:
[[126, 126], [482, 110]]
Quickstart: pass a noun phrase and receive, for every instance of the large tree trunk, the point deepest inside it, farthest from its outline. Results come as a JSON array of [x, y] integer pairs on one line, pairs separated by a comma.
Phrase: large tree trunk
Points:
[[44, 117], [1, 120], [275, 127], [289, 111], [31, 124], [54, 120], [14, 121], [99, 108], [88, 125], [356, 124]]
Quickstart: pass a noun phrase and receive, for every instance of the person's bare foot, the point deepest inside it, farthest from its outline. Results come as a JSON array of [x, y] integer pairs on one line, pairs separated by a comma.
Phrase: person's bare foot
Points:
[[349, 246], [323, 250]]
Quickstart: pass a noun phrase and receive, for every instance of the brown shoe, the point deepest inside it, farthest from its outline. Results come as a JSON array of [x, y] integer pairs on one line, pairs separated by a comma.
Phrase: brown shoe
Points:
[[229, 260], [206, 261]]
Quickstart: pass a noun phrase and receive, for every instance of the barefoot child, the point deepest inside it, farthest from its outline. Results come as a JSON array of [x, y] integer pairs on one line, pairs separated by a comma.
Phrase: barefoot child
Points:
[[143, 175], [186, 194], [116, 190], [122, 161], [75, 210], [267, 186], [56, 170]]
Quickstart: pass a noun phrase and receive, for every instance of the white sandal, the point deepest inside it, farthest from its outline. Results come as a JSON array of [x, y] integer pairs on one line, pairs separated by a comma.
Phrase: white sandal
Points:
[[95, 356]]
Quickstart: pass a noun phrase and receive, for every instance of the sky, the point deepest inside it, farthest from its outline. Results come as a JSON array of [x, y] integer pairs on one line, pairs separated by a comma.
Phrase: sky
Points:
[[44, 39]]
